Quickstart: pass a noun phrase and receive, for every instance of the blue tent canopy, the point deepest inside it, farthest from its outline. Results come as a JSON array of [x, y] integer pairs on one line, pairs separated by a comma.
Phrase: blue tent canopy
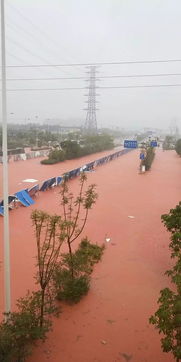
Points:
[[1, 211], [11, 198], [48, 183], [33, 190], [59, 180], [24, 198]]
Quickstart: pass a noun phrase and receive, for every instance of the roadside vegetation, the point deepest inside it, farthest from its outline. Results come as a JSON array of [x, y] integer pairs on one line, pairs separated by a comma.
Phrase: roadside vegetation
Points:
[[178, 147], [72, 276], [59, 276], [87, 145], [172, 143], [149, 157], [167, 318], [169, 143], [20, 136], [34, 135]]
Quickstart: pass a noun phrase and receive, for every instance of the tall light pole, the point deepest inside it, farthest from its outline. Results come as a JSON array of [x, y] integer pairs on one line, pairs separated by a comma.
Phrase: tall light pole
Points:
[[5, 168]]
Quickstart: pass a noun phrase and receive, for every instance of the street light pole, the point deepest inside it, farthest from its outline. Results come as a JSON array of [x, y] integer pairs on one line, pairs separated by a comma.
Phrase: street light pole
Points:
[[5, 169]]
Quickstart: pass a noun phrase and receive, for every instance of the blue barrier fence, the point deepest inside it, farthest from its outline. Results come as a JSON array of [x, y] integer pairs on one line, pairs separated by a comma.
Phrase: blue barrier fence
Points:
[[24, 197]]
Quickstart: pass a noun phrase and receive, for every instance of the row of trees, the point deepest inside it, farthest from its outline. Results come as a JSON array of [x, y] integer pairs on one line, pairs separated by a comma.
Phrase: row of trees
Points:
[[73, 149], [32, 137], [167, 318], [36, 135], [59, 276]]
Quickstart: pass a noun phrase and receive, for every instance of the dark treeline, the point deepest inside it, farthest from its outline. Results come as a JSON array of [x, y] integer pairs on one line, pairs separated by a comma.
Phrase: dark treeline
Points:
[[85, 146], [36, 135]]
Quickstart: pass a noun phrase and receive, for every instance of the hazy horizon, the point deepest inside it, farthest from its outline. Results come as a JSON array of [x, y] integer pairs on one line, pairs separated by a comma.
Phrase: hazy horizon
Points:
[[45, 32]]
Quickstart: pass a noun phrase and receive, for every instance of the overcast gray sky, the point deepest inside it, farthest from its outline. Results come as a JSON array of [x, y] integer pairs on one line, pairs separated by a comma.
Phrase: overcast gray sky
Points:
[[84, 31]]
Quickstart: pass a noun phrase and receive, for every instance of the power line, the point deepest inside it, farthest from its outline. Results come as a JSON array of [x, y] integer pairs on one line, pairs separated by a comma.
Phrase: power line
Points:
[[97, 63], [22, 60], [31, 53], [43, 33], [100, 77], [109, 87], [144, 86], [15, 57], [27, 49], [141, 75], [44, 89], [53, 78]]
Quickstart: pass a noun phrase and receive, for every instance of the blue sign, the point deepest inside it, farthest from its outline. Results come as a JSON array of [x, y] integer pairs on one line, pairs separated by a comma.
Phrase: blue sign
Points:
[[130, 144], [142, 156], [153, 143]]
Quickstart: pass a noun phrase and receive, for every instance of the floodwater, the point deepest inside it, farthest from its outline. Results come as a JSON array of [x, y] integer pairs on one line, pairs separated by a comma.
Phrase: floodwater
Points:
[[110, 324]]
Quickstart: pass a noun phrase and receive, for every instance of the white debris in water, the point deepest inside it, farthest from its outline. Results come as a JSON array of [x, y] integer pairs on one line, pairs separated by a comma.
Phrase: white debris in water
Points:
[[30, 180], [108, 240]]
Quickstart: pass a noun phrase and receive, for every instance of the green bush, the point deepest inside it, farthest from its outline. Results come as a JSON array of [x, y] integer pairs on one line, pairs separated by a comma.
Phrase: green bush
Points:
[[69, 286], [71, 289], [55, 156], [167, 318], [178, 147], [48, 162], [89, 254], [84, 258], [169, 143], [20, 330], [72, 149]]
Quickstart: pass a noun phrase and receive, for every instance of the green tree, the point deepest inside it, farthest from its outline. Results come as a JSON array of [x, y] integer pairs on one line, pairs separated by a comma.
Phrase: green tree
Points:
[[75, 212], [178, 147], [72, 289], [49, 239], [71, 148], [97, 143], [55, 156], [150, 154], [20, 330], [168, 317], [169, 142]]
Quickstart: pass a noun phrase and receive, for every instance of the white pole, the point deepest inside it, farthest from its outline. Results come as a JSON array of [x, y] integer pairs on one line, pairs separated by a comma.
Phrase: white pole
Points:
[[5, 169]]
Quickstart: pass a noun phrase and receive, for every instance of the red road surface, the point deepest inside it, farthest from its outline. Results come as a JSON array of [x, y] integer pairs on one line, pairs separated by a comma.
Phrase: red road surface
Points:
[[126, 283]]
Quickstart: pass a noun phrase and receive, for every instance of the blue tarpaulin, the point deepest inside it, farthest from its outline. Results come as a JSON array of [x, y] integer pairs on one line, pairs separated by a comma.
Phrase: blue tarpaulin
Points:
[[1, 210], [11, 198], [27, 197], [48, 183], [24, 198], [33, 190], [59, 180]]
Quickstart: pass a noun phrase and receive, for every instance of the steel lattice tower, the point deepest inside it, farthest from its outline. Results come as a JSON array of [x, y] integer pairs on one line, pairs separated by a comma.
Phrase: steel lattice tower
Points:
[[91, 121]]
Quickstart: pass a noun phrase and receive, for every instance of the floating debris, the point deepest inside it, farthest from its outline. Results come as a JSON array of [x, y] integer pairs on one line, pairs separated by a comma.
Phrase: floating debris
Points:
[[126, 356], [30, 180], [107, 239], [111, 321], [103, 341]]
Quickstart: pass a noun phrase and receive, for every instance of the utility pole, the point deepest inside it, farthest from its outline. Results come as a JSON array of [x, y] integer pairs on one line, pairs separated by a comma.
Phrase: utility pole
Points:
[[5, 168], [91, 121]]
